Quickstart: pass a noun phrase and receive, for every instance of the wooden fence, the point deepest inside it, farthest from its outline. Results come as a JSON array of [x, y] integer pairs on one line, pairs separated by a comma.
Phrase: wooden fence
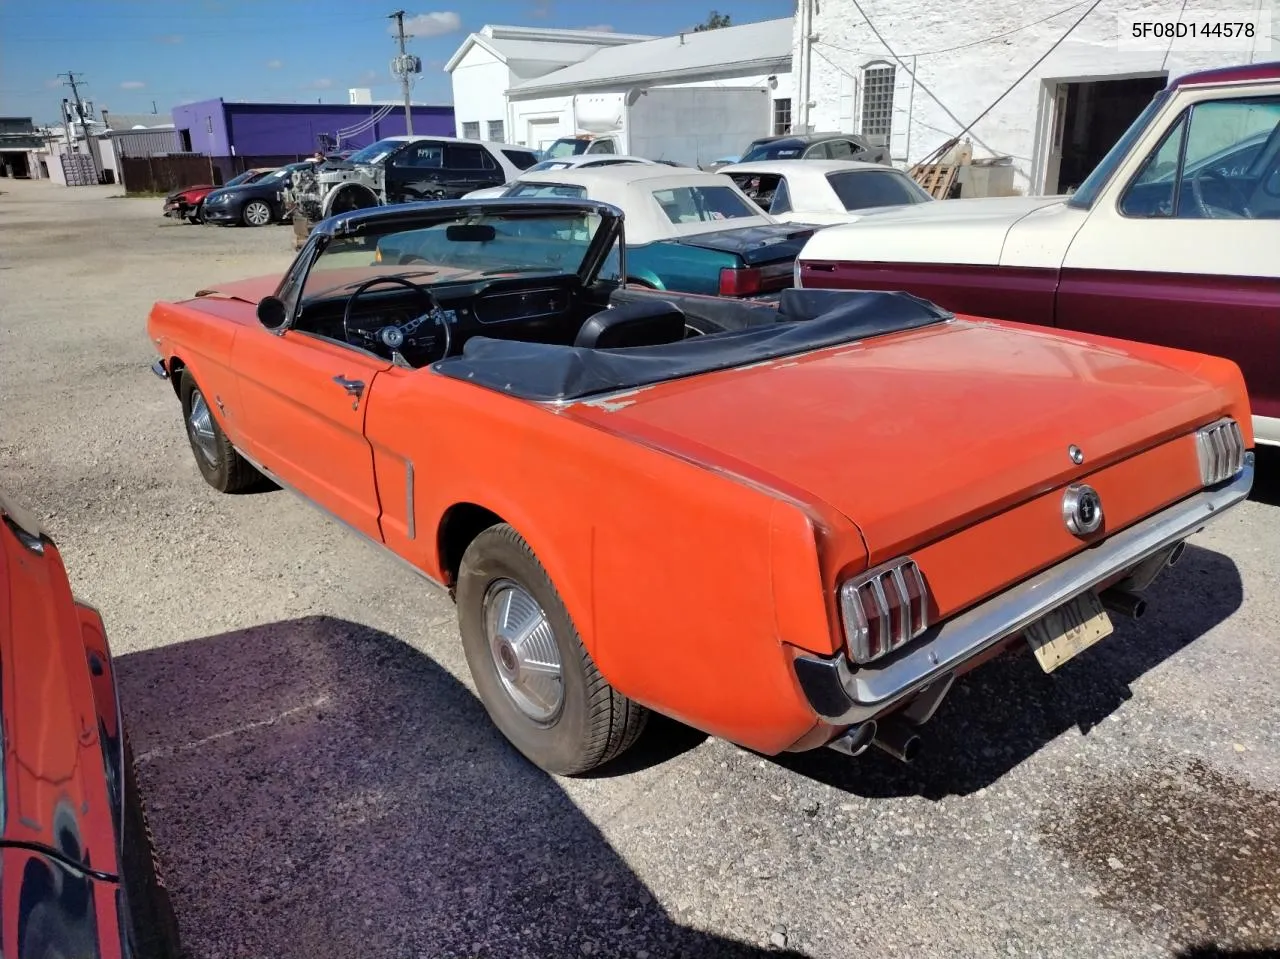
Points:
[[163, 174]]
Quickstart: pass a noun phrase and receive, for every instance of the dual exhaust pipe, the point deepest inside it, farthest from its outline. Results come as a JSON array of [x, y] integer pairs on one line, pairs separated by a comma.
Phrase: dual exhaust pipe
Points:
[[899, 739]]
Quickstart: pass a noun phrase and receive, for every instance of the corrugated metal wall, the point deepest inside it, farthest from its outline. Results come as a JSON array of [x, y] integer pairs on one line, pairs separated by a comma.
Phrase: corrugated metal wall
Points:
[[146, 143]]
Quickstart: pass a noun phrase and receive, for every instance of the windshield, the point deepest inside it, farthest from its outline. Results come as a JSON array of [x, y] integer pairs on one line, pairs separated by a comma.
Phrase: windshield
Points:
[[549, 165], [374, 151], [488, 244], [248, 176], [566, 148], [1093, 184], [861, 189], [774, 150]]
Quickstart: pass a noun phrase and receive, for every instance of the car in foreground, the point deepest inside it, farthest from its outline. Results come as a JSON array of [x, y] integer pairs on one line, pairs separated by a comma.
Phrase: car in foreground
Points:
[[186, 203], [253, 204], [1171, 240], [687, 230], [577, 162], [78, 875], [790, 523], [814, 146], [825, 191]]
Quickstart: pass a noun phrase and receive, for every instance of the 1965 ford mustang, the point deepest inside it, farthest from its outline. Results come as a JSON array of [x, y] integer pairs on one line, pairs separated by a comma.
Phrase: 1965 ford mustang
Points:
[[789, 524]]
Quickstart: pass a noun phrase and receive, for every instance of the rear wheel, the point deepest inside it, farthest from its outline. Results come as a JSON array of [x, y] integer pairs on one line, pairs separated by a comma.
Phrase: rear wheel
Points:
[[220, 464], [256, 213], [535, 677], [155, 927]]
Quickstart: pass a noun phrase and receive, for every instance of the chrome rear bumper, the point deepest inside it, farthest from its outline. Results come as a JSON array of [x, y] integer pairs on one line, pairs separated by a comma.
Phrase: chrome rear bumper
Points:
[[158, 369], [842, 695]]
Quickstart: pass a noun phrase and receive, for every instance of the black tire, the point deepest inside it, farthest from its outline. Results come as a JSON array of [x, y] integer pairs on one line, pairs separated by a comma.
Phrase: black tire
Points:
[[194, 216], [154, 927], [595, 723], [248, 219], [224, 469]]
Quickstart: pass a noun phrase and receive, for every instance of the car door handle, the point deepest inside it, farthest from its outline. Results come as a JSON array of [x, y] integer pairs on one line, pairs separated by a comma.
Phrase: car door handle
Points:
[[353, 387]]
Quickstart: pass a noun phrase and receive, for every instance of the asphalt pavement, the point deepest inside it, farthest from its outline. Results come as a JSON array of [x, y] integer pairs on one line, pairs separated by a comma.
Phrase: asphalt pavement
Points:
[[323, 782]]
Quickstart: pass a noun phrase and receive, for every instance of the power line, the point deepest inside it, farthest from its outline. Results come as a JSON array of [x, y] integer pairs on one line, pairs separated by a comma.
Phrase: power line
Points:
[[84, 124]]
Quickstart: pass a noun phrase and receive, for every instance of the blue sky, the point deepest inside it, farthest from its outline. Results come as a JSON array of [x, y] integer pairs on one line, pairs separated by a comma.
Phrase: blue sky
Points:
[[134, 52]]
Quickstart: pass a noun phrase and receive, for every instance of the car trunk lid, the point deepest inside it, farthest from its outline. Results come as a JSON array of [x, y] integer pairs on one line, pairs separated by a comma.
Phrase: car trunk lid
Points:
[[913, 435], [754, 245]]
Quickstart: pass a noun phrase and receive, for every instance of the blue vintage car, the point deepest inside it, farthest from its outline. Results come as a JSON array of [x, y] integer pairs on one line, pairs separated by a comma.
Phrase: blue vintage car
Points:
[[688, 230]]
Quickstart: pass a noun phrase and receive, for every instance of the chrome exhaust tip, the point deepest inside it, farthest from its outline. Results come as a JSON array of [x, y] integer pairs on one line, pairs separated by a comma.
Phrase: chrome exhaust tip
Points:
[[1176, 553], [855, 740], [1123, 603], [897, 739]]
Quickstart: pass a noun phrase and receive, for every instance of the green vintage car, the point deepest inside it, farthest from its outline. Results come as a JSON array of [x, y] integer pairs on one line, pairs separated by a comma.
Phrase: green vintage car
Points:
[[687, 230]]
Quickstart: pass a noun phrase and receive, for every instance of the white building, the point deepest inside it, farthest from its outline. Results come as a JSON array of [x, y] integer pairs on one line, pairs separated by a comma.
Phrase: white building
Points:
[[490, 62], [918, 74], [519, 84]]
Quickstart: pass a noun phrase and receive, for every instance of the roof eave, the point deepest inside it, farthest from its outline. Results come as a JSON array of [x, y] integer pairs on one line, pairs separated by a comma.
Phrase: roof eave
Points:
[[473, 40], [728, 71]]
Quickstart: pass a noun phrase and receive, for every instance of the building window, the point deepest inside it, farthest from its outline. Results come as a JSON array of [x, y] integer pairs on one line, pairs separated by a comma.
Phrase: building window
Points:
[[471, 131], [495, 131], [877, 102], [781, 116]]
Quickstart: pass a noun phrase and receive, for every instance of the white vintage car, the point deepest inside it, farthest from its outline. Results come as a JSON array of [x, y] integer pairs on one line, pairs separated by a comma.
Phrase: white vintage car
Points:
[[687, 230], [1174, 239], [825, 191], [581, 161]]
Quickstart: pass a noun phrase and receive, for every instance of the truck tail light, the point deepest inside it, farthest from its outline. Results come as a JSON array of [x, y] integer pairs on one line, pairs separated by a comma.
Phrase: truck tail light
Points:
[[740, 281], [884, 609]]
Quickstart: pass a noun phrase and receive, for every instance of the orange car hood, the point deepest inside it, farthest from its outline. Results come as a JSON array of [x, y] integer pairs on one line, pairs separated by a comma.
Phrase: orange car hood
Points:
[[250, 291], [912, 434]]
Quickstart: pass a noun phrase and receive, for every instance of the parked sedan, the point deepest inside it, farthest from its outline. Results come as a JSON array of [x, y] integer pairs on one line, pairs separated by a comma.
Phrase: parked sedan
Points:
[[577, 162], [825, 191], [788, 524], [185, 204], [687, 229], [253, 204], [77, 871]]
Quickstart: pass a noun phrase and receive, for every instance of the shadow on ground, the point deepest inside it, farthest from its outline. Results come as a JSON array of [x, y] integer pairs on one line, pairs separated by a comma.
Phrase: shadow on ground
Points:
[[1266, 478], [1006, 710], [318, 788]]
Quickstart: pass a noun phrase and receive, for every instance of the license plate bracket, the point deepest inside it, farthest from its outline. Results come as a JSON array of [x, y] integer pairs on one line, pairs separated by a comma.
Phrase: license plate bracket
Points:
[[1068, 630]]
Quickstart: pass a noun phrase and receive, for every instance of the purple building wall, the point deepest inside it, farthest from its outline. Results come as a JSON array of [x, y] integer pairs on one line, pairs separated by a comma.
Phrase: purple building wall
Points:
[[224, 129]]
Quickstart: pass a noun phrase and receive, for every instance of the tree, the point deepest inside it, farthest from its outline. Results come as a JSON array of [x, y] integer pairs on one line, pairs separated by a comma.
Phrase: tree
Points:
[[714, 21]]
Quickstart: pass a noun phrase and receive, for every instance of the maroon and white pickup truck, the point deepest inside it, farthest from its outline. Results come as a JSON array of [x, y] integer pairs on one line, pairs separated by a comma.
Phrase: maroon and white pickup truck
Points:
[[1174, 238]]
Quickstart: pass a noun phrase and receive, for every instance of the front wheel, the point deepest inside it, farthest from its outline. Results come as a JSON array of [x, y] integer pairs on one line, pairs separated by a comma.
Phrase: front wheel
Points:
[[534, 675], [219, 462], [256, 213], [194, 216]]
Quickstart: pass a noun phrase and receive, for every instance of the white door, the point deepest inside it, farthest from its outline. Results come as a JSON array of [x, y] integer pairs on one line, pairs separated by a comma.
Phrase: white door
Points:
[[1181, 248]]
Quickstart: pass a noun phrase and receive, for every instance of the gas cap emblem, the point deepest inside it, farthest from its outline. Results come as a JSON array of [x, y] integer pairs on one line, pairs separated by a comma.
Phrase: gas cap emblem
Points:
[[1081, 509], [1076, 454]]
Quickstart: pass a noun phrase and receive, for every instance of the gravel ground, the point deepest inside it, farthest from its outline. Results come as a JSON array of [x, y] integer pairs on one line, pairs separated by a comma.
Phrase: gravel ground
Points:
[[323, 782]]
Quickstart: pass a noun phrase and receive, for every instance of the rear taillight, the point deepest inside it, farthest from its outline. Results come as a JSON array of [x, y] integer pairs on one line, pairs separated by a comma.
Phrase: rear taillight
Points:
[[740, 281], [884, 609], [1220, 449]]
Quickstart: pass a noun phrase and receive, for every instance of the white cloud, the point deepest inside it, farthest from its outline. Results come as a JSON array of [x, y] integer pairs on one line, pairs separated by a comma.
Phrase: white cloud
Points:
[[429, 24], [133, 85], [274, 64], [600, 27], [171, 39], [324, 83]]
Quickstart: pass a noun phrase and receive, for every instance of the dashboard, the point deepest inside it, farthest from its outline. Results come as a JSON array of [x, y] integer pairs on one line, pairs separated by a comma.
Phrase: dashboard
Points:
[[393, 318]]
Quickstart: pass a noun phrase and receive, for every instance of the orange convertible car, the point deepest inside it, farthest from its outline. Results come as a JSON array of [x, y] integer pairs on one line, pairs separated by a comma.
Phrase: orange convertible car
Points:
[[789, 523]]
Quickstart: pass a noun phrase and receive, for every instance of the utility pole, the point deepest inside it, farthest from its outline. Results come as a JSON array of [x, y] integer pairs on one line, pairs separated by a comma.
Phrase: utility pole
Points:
[[806, 67], [402, 66], [84, 123]]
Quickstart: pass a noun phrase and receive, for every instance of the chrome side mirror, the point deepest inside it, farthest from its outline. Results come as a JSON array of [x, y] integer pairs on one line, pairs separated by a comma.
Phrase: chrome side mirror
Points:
[[271, 312]]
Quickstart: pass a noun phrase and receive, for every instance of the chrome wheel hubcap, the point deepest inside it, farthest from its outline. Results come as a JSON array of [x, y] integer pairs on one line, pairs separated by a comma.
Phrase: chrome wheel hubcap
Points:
[[200, 428], [524, 650], [257, 214]]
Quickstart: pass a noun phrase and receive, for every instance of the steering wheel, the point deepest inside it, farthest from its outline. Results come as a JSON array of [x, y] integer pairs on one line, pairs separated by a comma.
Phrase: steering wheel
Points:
[[1198, 193], [432, 309]]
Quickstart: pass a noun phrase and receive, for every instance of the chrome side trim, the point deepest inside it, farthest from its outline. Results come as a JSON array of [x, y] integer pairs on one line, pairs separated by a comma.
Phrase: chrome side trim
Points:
[[363, 536], [408, 496], [841, 695]]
